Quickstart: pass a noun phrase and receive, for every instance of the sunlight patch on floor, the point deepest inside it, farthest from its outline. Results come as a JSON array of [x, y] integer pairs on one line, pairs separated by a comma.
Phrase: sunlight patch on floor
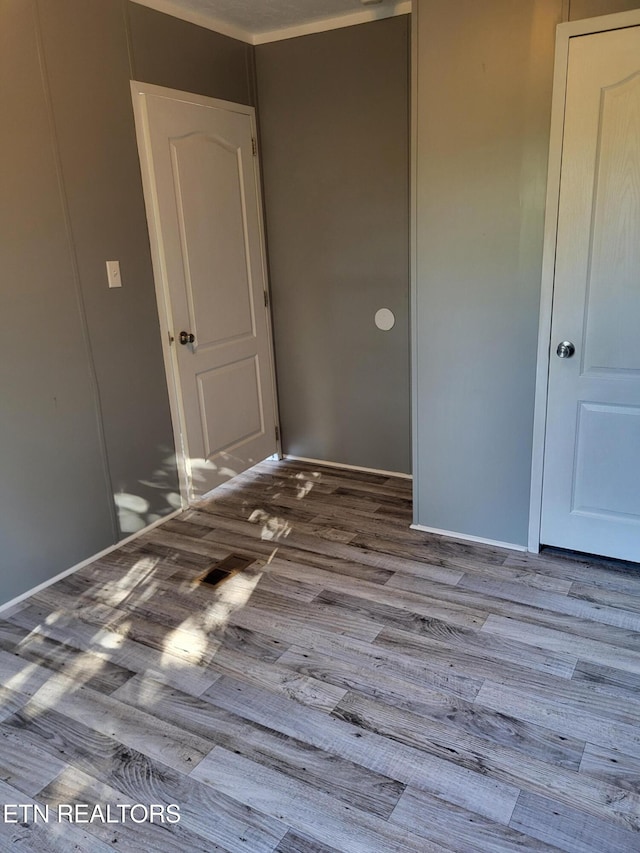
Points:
[[193, 635], [303, 488], [273, 528]]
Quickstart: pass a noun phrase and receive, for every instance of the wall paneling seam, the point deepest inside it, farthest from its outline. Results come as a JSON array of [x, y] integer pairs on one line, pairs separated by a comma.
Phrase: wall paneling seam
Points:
[[127, 29], [413, 256], [64, 202]]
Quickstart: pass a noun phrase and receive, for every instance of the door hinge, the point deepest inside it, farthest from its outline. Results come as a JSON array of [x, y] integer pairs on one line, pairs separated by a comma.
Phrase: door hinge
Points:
[[254, 146], [266, 299], [277, 433]]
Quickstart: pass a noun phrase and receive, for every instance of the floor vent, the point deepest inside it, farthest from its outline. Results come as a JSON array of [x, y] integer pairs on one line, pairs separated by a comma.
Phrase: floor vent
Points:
[[223, 570]]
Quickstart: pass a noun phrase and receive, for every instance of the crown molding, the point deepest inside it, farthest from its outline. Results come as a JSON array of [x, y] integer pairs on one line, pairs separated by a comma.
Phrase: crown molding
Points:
[[376, 13], [207, 21]]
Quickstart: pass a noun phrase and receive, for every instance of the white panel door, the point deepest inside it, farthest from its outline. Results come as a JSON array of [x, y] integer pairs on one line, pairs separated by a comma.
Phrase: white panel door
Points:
[[203, 204], [591, 486]]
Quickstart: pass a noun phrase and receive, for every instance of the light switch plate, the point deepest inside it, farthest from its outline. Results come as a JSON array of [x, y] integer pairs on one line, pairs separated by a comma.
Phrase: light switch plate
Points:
[[113, 274]]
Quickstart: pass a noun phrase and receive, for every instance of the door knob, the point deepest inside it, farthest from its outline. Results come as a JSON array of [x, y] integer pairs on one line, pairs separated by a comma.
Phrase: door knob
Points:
[[565, 349], [186, 338]]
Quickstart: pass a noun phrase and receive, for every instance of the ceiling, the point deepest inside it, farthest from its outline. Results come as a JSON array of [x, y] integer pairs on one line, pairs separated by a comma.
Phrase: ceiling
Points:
[[258, 21]]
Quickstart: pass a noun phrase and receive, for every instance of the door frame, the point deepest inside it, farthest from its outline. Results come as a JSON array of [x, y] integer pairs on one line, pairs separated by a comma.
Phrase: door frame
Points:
[[169, 349], [565, 32]]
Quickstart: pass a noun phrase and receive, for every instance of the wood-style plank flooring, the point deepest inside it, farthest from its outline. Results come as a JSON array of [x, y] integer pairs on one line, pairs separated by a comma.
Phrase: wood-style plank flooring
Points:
[[359, 687]]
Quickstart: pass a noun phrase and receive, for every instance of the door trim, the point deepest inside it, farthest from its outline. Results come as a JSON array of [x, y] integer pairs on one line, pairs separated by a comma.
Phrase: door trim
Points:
[[565, 32], [169, 350]]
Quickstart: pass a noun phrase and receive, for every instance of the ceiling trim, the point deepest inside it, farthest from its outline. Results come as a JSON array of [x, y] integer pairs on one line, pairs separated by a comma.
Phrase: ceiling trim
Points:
[[170, 7], [207, 21], [361, 17]]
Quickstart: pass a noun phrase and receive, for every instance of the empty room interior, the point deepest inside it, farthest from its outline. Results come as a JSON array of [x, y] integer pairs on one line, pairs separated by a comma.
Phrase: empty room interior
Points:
[[325, 315]]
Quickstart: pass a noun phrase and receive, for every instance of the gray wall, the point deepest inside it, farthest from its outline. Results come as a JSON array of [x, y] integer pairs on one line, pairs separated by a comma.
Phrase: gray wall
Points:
[[484, 95], [592, 8], [174, 53], [484, 105], [55, 505], [334, 141], [102, 188], [84, 410]]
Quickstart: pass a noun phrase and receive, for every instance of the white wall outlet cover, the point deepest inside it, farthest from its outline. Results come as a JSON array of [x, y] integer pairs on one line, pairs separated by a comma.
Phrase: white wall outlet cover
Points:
[[385, 319], [113, 274]]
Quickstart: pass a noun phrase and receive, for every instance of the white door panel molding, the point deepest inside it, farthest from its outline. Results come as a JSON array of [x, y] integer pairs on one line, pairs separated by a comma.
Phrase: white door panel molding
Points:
[[202, 193], [586, 462]]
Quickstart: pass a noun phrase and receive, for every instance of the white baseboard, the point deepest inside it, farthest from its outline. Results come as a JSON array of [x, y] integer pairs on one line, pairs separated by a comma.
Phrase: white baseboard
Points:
[[88, 561], [348, 467], [464, 537]]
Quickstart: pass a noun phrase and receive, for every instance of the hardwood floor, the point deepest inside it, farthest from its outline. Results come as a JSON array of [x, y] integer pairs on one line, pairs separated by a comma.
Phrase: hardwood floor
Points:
[[359, 687]]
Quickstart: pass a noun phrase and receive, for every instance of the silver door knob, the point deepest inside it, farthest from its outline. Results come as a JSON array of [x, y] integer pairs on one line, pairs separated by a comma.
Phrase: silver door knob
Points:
[[565, 349]]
